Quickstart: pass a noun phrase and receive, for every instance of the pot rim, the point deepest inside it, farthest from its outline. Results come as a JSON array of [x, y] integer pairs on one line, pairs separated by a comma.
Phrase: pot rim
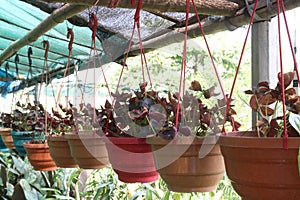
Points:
[[124, 140], [243, 139], [82, 135], [185, 140], [30, 145]]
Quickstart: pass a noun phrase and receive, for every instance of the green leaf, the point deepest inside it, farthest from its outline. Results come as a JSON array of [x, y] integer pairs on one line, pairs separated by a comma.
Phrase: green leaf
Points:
[[149, 195], [176, 196], [63, 197], [23, 190], [21, 166], [3, 162], [294, 120], [9, 189], [167, 195], [4, 175], [51, 189]]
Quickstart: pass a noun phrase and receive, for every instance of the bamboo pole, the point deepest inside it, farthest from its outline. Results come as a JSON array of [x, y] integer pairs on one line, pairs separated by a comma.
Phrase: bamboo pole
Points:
[[209, 7], [58, 16]]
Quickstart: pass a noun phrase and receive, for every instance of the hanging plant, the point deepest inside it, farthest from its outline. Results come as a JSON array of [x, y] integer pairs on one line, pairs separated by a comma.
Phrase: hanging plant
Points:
[[262, 163], [265, 102], [130, 114]]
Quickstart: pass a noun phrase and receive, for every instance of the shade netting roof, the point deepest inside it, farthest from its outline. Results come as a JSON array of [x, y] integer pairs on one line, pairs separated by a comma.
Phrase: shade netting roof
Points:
[[16, 20]]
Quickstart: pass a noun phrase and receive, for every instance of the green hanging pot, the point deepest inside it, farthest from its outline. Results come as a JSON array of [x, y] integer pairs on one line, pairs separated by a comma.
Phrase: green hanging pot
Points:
[[3, 147], [20, 137]]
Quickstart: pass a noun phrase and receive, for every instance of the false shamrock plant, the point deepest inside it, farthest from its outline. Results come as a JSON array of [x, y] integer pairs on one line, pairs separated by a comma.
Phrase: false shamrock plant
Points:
[[266, 102], [29, 118], [131, 114], [62, 119], [197, 116], [72, 119], [86, 117], [5, 120], [158, 114]]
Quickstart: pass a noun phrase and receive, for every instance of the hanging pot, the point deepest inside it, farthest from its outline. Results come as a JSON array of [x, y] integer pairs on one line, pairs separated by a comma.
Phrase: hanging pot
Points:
[[20, 137], [188, 164], [39, 156], [60, 151], [7, 138], [259, 168], [3, 147], [88, 150], [131, 159]]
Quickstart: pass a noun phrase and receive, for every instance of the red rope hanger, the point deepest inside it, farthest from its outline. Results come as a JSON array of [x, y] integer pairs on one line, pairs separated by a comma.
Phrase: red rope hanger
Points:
[[142, 52], [280, 7], [290, 41], [239, 65], [183, 68]]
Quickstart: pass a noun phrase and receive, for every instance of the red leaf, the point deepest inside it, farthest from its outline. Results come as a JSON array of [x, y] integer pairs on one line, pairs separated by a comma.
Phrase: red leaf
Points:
[[107, 105], [290, 91], [196, 86], [248, 92], [288, 78], [253, 103], [266, 99], [266, 111], [263, 84]]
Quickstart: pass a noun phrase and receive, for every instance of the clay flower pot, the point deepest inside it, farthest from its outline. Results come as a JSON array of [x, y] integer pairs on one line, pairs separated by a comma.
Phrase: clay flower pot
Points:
[[60, 151], [7, 138], [131, 159], [20, 137], [88, 150], [188, 164], [39, 156], [259, 168]]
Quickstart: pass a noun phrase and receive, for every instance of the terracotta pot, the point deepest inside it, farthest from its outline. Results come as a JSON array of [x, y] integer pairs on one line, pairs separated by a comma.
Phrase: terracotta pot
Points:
[[88, 150], [7, 138], [60, 151], [259, 168], [131, 159], [20, 137], [188, 164], [39, 156]]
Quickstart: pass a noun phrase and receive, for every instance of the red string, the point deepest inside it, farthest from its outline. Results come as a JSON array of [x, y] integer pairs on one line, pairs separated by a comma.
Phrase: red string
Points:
[[93, 24], [142, 52], [183, 63], [285, 136], [239, 65], [46, 45], [208, 49], [290, 41], [70, 34]]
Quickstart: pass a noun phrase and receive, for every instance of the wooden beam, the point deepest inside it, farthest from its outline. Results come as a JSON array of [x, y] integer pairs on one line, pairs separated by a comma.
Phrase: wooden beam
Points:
[[58, 16], [211, 26], [207, 7]]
